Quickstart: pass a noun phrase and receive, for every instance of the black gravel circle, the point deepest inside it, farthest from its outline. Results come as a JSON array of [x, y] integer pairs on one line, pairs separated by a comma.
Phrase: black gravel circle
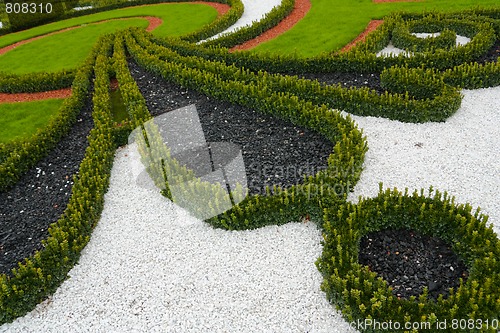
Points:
[[410, 261], [41, 195], [275, 152]]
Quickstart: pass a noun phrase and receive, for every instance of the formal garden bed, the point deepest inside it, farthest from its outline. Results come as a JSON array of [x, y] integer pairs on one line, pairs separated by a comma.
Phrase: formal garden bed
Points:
[[390, 257]]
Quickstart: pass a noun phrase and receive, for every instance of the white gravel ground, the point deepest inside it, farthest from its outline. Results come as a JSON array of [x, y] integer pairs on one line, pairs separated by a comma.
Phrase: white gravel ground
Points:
[[254, 11], [392, 50], [150, 267], [461, 155]]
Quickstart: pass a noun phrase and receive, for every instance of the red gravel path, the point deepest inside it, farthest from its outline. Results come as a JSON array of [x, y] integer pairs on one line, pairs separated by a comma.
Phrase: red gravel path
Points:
[[374, 24], [154, 22], [299, 11], [25, 97]]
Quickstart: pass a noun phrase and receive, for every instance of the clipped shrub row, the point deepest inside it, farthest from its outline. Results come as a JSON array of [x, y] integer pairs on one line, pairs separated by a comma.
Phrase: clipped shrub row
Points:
[[355, 289], [344, 164], [360, 293], [219, 24], [215, 27], [433, 100], [403, 38], [19, 20], [270, 20], [40, 275], [35, 82], [361, 58]]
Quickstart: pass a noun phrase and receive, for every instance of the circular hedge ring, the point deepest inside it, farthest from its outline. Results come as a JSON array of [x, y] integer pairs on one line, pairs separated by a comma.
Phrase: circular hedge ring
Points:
[[366, 300]]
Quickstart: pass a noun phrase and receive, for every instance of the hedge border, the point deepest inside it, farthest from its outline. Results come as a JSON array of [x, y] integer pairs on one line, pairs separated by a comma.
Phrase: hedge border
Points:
[[344, 166], [243, 34], [362, 57], [40, 275], [417, 98], [360, 293]]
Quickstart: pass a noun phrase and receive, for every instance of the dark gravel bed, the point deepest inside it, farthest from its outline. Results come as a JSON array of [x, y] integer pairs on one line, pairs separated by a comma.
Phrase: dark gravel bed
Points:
[[41, 196], [275, 152], [492, 55], [410, 261]]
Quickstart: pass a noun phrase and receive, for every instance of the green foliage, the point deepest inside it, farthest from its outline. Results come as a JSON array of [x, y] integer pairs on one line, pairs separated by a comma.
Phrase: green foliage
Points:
[[220, 24], [39, 275], [25, 154], [19, 20], [35, 82], [21, 120], [421, 88], [345, 163], [436, 214], [416, 98], [271, 19]]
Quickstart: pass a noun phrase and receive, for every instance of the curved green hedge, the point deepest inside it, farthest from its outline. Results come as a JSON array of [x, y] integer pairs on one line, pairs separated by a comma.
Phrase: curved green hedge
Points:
[[360, 293], [427, 91], [404, 104], [35, 82], [270, 20], [41, 274]]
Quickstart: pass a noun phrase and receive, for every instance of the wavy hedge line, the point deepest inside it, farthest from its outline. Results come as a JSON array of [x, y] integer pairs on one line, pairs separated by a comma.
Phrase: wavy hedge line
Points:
[[270, 20], [344, 165], [41, 274], [16, 158], [20, 156], [407, 103], [217, 26], [321, 197], [35, 82], [482, 25], [360, 293]]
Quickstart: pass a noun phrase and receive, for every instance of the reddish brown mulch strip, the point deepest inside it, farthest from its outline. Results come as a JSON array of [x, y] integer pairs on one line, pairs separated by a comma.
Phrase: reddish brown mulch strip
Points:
[[154, 22], [299, 11], [113, 85], [26, 97], [220, 7], [374, 24]]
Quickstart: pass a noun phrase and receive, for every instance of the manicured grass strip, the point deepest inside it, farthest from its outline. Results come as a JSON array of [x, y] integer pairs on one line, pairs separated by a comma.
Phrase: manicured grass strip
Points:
[[21, 120], [332, 24], [66, 50], [178, 18]]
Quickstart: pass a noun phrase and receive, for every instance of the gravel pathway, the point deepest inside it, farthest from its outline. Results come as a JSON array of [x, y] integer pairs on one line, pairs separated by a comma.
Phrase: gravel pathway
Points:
[[150, 267], [460, 156], [254, 11]]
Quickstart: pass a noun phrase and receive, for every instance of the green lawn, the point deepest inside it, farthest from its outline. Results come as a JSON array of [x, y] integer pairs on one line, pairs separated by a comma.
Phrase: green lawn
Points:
[[21, 120], [66, 50], [331, 24], [178, 18]]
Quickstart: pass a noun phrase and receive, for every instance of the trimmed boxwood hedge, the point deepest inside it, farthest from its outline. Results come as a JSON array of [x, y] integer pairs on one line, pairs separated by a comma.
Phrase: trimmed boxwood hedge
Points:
[[405, 104], [418, 92], [215, 27], [40, 275], [243, 34], [360, 293], [35, 82]]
